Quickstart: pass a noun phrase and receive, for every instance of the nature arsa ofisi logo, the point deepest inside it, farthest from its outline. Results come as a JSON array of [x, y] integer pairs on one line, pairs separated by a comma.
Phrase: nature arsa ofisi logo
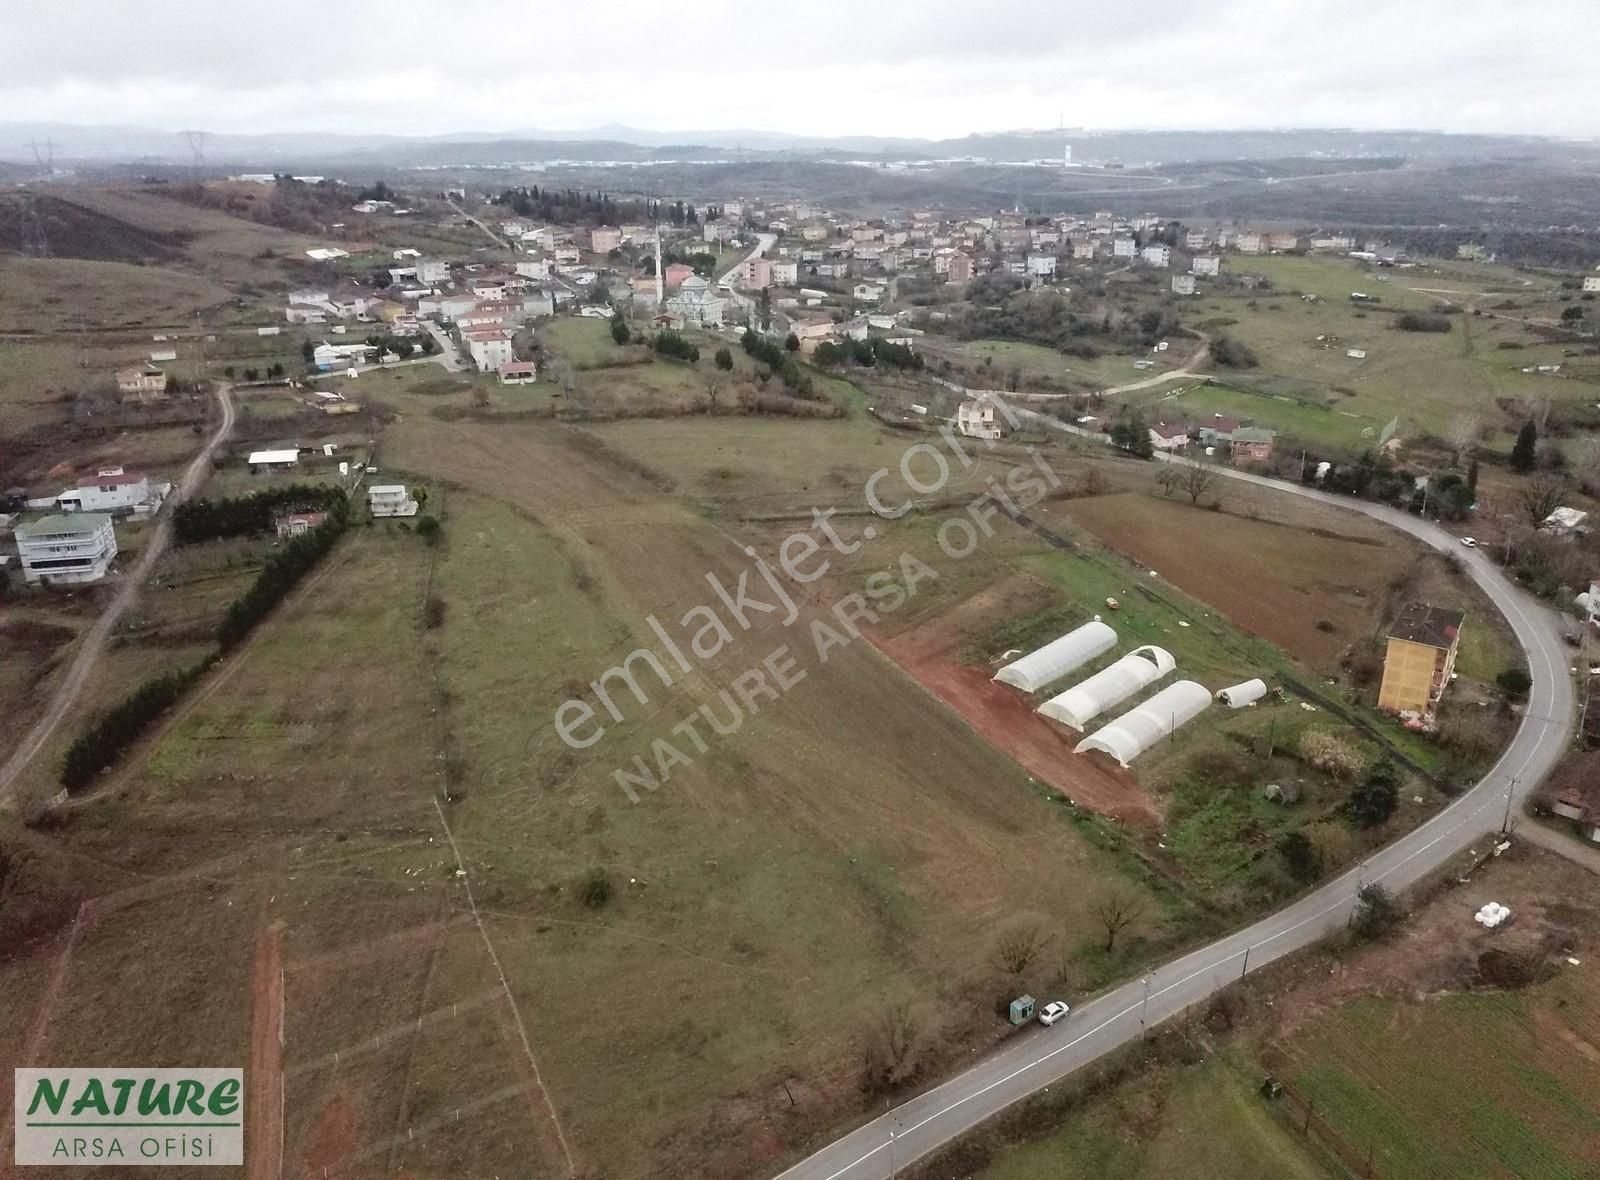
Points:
[[170, 1117]]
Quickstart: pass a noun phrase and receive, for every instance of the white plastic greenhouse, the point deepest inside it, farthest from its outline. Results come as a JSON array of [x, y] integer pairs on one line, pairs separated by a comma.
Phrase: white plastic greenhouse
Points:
[[1058, 657], [1085, 701], [1244, 694], [1144, 725]]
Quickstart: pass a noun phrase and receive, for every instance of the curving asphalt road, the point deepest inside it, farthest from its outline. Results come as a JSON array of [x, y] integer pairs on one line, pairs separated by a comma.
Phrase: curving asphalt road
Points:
[[99, 634], [1039, 1056]]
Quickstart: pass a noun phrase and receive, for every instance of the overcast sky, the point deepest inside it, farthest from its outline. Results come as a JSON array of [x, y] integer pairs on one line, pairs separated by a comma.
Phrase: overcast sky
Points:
[[882, 67]]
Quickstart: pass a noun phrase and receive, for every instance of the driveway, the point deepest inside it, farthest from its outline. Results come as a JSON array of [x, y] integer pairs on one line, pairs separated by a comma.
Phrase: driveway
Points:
[[1038, 1056]]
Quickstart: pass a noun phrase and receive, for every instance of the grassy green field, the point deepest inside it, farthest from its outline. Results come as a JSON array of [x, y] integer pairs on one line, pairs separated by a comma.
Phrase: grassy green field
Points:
[[1389, 1075], [60, 294], [1428, 380], [1200, 1120]]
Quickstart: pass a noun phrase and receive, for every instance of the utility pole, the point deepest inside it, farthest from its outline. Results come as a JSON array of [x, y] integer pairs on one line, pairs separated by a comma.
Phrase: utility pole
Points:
[[892, 1169], [1511, 789], [1144, 1010], [1245, 969]]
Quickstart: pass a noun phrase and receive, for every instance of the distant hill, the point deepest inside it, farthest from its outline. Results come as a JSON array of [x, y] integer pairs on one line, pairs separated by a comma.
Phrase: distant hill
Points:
[[127, 144]]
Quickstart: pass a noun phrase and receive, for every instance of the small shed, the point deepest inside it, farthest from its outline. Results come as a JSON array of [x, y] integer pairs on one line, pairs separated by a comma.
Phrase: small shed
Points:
[[1022, 1010], [1240, 695]]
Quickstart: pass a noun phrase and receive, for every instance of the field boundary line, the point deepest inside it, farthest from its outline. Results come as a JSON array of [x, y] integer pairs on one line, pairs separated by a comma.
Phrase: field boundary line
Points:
[[397, 1032], [505, 984]]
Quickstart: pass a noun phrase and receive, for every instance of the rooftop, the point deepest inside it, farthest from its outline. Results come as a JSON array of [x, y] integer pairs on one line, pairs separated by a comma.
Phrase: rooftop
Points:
[[1434, 626], [78, 523]]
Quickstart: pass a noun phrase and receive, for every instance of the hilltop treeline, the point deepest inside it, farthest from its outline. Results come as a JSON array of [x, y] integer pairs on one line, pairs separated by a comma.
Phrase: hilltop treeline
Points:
[[208, 520], [574, 207]]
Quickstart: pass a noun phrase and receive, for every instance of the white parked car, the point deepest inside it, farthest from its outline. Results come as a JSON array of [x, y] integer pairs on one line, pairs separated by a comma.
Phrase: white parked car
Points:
[[1470, 542], [1052, 1012]]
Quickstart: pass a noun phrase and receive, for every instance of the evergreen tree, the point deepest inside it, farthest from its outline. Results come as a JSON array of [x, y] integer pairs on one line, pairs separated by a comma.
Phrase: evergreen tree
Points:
[[1525, 453]]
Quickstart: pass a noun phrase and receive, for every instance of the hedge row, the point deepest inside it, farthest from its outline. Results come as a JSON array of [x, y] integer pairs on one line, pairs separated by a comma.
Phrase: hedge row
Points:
[[207, 520], [279, 575], [105, 741]]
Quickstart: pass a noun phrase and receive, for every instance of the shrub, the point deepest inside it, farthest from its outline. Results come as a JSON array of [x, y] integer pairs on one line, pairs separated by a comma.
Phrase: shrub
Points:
[[595, 890], [1514, 682], [1418, 321], [433, 612], [428, 529], [1300, 857], [279, 575], [1330, 754], [1376, 913], [723, 359], [619, 330], [1227, 351], [207, 520]]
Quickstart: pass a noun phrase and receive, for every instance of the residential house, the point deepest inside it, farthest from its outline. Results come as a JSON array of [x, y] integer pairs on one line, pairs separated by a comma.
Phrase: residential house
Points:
[[1251, 444], [1248, 243], [430, 270], [67, 549], [327, 357], [811, 332], [1206, 264], [1196, 239], [696, 303], [519, 373], [1419, 659], [675, 275], [297, 524], [490, 347], [115, 491], [1042, 265], [975, 418], [754, 274], [447, 306], [1591, 282], [1183, 284], [141, 381], [1084, 249], [1157, 255], [537, 269], [390, 499], [1217, 429], [1575, 793], [603, 239], [1333, 243], [785, 272], [1122, 248], [867, 292], [1169, 436], [1282, 243]]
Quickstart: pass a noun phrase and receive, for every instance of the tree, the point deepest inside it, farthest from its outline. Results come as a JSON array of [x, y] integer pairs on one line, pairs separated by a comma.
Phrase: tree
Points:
[[595, 889], [1118, 909], [428, 529], [1514, 682], [1197, 480], [1463, 434], [1541, 496], [892, 1056], [619, 330], [1227, 351], [1018, 945], [792, 342], [1524, 454], [765, 307], [1168, 479], [723, 358], [1375, 798], [1300, 857], [1376, 912], [1571, 315], [308, 350]]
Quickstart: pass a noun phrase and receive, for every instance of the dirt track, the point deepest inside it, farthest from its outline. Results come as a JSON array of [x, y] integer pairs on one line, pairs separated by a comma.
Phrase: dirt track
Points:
[[264, 1081]]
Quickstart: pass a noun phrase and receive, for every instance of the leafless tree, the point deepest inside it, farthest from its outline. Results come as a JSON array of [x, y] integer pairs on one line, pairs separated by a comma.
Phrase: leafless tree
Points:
[[1197, 480], [1539, 410], [1540, 496], [1463, 434], [1120, 908], [1018, 945], [894, 1047], [1168, 478]]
